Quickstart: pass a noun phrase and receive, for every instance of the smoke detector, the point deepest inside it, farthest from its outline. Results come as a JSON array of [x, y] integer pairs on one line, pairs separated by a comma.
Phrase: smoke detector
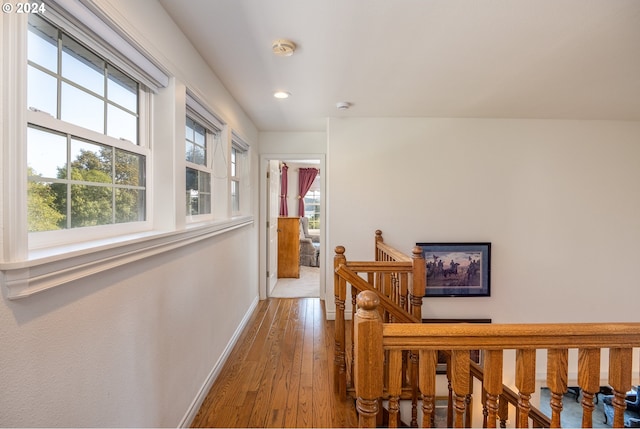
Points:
[[283, 48], [343, 105]]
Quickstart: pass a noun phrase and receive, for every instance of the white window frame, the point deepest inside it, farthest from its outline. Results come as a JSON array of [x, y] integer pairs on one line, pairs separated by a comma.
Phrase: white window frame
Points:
[[44, 239], [214, 126], [239, 155]]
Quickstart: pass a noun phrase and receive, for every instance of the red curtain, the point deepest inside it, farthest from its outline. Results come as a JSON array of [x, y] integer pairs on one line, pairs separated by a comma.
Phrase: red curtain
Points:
[[306, 176], [284, 210]]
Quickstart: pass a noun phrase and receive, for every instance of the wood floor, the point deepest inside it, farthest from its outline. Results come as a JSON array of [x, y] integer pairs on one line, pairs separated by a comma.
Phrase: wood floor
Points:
[[280, 372]]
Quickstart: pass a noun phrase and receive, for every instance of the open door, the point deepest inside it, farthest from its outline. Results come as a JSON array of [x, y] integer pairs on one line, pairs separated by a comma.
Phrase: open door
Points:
[[273, 210]]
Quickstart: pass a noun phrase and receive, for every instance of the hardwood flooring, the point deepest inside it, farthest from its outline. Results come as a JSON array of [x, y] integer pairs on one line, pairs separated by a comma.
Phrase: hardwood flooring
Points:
[[280, 373]]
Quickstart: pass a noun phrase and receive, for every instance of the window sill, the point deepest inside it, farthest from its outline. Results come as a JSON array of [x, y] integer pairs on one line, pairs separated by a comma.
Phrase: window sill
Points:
[[48, 268]]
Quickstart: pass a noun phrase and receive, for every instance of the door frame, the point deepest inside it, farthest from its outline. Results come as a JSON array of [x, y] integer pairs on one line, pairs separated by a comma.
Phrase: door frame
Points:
[[264, 215]]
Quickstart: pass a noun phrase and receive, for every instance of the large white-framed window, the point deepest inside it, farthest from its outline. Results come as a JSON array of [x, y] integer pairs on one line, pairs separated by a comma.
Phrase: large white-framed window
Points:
[[237, 168], [202, 135], [85, 162], [86, 136]]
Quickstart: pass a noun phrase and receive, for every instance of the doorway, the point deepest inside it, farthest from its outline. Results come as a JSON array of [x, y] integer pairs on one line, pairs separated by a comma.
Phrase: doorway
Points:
[[312, 278]]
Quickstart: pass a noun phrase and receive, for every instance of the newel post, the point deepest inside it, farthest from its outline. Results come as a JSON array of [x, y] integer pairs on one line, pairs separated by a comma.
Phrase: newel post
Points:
[[419, 282], [368, 358], [340, 293]]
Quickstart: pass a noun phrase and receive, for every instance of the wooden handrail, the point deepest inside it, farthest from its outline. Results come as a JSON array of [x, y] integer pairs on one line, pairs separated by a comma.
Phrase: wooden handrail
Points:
[[459, 339], [360, 284]]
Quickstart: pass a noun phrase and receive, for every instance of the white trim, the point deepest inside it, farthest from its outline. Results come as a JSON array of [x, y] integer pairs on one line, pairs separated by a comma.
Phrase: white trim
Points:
[[201, 113], [86, 21], [239, 142], [14, 133], [264, 157], [215, 371], [48, 268]]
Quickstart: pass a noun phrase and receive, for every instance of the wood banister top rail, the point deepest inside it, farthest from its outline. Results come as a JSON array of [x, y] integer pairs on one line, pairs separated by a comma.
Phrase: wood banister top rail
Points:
[[460, 336], [380, 266], [362, 285]]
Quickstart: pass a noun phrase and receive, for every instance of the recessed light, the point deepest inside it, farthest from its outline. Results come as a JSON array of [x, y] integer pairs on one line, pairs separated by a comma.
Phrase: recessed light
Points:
[[281, 94]]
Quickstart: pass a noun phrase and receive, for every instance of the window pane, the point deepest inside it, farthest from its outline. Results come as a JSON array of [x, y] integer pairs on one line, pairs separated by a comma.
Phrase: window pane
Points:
[[205, 182], [195, 145], [192, 179], [205, 203], [199, 134], [81, 66], [198, 192], [90, 162], [46, 154], [197, 155], [129, 168], [123, 90], [189, 130], [91, 205], [44, 212], [234, 154], [42, 91], [130, 205], [235, 195], [80, 108], [121, 124], [42, 43]]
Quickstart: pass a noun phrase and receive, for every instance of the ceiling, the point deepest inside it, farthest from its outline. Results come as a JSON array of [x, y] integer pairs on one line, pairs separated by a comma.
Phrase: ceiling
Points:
[[566, 59]]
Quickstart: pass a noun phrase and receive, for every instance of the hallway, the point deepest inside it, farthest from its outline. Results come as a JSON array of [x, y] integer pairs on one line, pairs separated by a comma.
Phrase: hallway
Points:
[[280, 372]]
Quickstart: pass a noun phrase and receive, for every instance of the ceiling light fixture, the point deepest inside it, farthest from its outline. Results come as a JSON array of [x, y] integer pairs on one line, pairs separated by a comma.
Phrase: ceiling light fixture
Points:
[[283, 48], [282, 94]]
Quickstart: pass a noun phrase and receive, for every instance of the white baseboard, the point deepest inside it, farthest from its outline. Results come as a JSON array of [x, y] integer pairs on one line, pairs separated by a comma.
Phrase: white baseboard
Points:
[[204, 390]]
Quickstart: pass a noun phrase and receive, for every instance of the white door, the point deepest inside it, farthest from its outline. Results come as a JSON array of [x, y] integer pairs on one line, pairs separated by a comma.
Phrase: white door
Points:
[[273, 209]]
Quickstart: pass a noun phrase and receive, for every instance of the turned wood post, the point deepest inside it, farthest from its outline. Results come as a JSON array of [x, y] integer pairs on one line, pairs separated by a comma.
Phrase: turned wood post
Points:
[[620, 381], [419, 282], [427, 381], [395, 387], [589, 382], [492, 384], [557, 375], [368, 357], [460, 384], [525, 383], [340, 292]]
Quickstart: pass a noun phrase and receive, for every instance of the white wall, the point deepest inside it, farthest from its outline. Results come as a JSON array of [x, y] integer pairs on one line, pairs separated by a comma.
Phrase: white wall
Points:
[[134, 346], [558, 200]]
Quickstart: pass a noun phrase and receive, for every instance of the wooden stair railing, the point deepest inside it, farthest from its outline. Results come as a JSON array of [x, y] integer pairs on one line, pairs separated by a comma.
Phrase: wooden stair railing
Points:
[[373, 339], [399, 280]]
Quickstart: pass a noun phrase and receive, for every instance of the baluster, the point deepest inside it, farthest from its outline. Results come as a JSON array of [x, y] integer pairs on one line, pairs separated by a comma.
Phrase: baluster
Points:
[[354, 295], [340, 292], [450, 395], [467, 407], [589, 382], [395, 386], [492, 383], [413, 372], [557, 374], [485, 413], [620, 381], [460, 382], [525, 383], [404, 288], [368, 357], [427, 382], [503, 411]]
